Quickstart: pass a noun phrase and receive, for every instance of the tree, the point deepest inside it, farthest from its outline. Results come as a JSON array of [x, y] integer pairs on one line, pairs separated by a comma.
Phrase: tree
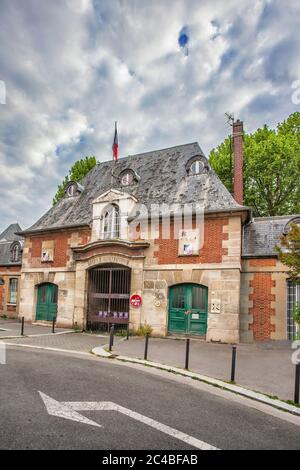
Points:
[[271, 168], [76, 173], [289, 251]]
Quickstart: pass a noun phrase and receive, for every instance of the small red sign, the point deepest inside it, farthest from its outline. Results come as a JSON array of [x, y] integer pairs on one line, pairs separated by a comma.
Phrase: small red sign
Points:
[[135, 300]]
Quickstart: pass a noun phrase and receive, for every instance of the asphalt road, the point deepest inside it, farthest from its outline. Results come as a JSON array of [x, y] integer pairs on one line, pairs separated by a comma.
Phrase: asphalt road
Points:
[[218, 421]]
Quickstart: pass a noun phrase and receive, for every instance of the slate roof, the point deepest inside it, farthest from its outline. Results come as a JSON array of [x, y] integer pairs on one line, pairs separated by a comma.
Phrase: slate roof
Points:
[[262, 235], [162, 179], [7, 237]]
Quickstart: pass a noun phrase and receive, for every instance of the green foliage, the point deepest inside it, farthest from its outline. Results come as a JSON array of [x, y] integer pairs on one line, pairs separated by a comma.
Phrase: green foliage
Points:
[[144, 329], [77, 172], [271, 168], [296, 313], [289, 251]]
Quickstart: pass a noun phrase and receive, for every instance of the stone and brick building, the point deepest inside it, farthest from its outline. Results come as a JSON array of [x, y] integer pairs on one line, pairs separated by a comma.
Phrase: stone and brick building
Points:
[[11, 246], [92, 260]]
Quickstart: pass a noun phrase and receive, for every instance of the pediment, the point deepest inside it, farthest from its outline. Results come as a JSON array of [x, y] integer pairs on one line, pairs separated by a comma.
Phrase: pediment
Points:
[[113, 195]]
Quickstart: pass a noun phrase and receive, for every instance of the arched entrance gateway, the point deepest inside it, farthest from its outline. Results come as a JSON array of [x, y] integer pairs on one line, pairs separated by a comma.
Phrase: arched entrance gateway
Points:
[[108, 296]]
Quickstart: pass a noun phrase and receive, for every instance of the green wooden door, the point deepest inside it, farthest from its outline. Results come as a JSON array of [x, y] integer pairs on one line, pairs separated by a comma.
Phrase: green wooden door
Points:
[[46, 308], [188, 309]]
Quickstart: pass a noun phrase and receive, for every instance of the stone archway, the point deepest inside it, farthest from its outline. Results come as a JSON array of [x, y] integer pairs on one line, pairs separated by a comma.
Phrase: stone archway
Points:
[[134, 263], [108, 296]]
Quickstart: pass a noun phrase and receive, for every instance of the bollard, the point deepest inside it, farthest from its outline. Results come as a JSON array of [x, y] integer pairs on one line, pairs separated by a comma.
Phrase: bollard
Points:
[[53, 324], [146, 346], [187, 353], [111, 338], [297, 383], [127, 333], [233, 361], [22, 326]]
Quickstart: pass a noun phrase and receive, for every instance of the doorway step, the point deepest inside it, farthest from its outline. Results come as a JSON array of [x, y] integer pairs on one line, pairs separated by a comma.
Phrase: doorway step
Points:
[[182, 336]]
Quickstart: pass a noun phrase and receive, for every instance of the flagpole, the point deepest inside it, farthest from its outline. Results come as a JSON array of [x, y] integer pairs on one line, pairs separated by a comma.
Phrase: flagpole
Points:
[[115, 153]]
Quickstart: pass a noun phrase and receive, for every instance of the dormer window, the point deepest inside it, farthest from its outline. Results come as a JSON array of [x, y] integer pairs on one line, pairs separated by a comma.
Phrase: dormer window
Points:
[[127, 178], [111, 222], [15, 252], [295, 220], [73, 189], [196, 167]]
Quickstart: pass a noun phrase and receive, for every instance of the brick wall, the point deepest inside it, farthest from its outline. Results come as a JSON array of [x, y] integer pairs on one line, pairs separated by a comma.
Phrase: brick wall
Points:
[[1, 297], [261, 263], [212, 251], [7, 272], [262, 297], [62, 250]]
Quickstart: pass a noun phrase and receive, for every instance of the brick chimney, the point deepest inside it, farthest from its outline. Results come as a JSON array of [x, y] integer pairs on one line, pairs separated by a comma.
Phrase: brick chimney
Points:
[[238, 150]]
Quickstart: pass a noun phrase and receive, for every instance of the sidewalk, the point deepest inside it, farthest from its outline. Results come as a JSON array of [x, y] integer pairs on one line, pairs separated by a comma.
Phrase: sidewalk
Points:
[[262, 367], [80, 342], [265, 367], [42, 337], [10, 327]]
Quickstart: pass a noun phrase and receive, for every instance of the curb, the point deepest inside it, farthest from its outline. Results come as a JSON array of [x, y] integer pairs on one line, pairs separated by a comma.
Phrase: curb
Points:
[[36, 336], [48, 348], [99, 351], [280, 405]]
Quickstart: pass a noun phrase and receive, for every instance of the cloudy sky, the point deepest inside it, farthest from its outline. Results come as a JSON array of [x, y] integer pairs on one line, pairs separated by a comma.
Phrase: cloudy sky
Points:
[[73, 67]]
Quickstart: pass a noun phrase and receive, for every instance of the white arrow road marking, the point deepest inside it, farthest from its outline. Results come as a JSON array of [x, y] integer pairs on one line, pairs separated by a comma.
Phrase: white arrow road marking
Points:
[[68, 410], [55, 408]]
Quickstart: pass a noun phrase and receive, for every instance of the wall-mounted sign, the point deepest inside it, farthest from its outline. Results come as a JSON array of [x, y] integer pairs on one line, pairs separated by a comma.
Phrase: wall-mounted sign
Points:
[[215, 306], [135, 300], [47, 251], [188, 242]]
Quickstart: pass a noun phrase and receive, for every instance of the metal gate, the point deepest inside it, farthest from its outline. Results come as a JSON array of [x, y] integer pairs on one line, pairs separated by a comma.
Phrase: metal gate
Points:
[[108, 297]]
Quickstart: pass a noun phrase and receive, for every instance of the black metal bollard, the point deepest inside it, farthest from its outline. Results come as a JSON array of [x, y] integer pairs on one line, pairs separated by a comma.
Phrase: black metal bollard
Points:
[[297, 383], [127, 332], [53, 324], [146, 346], [111, 337], [187, 353], [233, 362], [22, 326]]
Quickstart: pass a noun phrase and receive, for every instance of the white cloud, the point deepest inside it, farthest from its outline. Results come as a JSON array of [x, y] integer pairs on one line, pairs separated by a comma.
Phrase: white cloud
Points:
[[73, 67]]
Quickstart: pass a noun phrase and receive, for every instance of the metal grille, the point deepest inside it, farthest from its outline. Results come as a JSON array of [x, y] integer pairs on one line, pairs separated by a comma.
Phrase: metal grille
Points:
[[293, 296], [108, 301]]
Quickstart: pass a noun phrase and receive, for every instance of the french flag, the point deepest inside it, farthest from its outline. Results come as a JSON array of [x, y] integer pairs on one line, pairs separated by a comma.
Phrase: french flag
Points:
[[115, 144]]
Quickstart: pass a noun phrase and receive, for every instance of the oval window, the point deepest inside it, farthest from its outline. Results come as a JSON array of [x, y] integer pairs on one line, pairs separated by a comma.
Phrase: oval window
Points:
[[196, 167], [127, 178], [71, 190]]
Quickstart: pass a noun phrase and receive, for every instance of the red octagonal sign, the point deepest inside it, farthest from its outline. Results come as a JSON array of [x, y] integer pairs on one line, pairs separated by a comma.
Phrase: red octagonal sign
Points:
[[135, 300]]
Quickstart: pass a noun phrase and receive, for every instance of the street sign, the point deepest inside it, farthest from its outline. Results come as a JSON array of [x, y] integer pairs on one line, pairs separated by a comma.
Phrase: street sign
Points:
[[69, 410], [135, 300]]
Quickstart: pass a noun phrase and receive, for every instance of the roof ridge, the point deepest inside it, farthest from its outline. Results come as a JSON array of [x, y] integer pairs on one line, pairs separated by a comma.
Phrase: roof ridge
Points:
[[275, 217], [152, 151], [8, 234]]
